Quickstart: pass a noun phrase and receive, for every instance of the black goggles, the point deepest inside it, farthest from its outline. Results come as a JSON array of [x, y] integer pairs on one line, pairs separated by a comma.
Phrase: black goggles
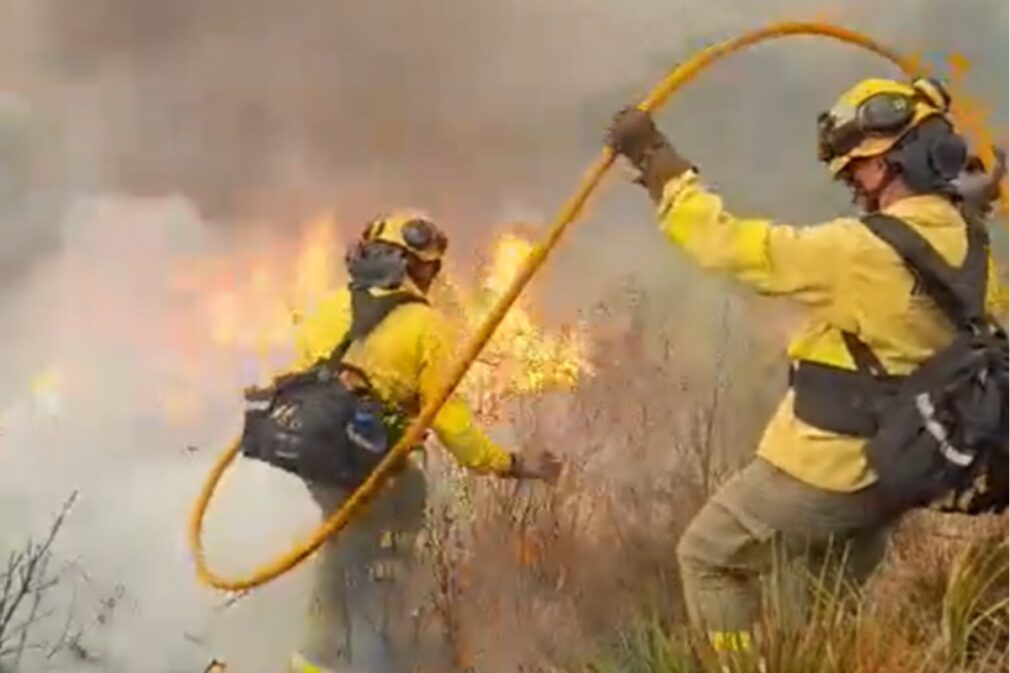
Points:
[[882, 115], [422, 236]]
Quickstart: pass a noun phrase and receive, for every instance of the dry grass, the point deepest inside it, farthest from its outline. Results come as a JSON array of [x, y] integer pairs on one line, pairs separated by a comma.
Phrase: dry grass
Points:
[[944, 611], [583, 577]]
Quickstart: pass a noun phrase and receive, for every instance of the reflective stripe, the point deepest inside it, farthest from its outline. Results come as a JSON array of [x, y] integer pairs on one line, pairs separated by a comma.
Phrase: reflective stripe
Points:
[[730, 641], [388, 539], [300, 664], [939, 433], [362, 441], [257, 405]]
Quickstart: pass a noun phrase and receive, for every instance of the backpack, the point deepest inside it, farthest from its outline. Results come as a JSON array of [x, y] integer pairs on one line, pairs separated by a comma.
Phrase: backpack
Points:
[[942, 431], [313, 423]]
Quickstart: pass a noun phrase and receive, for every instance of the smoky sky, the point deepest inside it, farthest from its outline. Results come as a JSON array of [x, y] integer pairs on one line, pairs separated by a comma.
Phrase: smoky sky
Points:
[[466, 108], [137, 133]]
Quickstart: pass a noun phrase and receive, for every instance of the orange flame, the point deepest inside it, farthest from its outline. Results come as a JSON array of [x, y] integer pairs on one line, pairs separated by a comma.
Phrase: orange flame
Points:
[[522, 358], [250, 303]]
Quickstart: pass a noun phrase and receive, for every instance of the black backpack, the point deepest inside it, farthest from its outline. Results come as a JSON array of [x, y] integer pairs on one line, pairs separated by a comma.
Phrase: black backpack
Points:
[[942, 431], [311, 424]]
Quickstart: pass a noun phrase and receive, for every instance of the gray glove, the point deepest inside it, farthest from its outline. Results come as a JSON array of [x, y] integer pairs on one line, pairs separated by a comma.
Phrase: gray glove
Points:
[[978, 189], [633, 134], [544, 466]]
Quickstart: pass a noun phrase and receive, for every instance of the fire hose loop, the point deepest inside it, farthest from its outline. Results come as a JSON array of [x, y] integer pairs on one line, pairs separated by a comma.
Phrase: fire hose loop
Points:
[[677, 78]]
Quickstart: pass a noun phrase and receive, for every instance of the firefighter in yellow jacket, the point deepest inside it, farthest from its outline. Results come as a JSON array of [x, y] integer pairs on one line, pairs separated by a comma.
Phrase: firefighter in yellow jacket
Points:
[[403, 359], [810, 495]]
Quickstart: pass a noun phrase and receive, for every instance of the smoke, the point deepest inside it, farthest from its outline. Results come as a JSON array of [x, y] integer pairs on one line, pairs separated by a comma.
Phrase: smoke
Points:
[[106, 362], [468, 110], [137, 134]]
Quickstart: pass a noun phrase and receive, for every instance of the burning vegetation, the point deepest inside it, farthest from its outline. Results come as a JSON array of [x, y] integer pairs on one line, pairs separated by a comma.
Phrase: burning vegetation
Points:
[[139, 298], [250, 304]]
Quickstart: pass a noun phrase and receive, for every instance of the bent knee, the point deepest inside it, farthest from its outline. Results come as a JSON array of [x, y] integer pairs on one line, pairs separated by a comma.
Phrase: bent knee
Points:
[[689, 547], [717, 540], [704, 545]]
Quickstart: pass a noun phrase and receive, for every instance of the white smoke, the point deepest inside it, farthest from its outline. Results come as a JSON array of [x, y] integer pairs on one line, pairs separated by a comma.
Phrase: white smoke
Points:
[[95, 322], [137, 134]]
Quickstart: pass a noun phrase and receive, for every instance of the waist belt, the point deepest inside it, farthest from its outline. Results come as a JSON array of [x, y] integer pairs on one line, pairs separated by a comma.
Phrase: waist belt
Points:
[[839, 400]]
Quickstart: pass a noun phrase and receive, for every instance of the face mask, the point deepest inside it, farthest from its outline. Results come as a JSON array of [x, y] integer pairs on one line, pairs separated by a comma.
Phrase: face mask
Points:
[[376, 265]]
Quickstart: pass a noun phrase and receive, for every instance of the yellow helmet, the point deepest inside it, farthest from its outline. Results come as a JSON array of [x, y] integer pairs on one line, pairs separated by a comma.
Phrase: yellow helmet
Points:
[[411, 231], [870, 118]]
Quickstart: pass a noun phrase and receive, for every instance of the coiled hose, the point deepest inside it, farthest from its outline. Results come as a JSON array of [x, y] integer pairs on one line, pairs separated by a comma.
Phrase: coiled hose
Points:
[[679, 76]]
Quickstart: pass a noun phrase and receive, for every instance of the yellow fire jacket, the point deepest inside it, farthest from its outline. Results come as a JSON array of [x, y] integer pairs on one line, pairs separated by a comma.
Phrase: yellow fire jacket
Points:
[[849, 279], [404, 358]]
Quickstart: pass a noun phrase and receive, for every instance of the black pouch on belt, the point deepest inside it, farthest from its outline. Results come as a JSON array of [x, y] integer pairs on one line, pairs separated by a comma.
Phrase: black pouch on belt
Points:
[[312, 423], [840, 400]]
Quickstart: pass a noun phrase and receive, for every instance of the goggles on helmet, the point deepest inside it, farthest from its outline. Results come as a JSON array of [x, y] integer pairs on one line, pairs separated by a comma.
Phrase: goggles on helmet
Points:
[[422, 236], [414, 234], [882, 115]]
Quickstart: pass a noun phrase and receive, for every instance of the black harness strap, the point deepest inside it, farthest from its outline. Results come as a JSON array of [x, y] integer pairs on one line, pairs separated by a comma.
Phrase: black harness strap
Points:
[[367, 312], [839, 400], [843, 401], [958, 291], [865, 359]]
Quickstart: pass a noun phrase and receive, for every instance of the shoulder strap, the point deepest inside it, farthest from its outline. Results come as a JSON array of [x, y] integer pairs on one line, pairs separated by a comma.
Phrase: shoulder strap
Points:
[[958, 291], [367, 312], [865, 359]]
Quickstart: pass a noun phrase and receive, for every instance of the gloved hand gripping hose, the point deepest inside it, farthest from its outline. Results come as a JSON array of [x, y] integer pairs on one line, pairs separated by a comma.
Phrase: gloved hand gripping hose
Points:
[[571, 210]]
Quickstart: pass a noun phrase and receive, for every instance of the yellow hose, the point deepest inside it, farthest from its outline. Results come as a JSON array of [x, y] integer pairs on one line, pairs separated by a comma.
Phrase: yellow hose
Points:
[[571, 210]]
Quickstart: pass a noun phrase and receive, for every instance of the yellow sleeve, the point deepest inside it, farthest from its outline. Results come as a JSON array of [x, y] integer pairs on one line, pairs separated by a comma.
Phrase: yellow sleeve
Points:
[[455, 425], [319, 332], [778, 259]]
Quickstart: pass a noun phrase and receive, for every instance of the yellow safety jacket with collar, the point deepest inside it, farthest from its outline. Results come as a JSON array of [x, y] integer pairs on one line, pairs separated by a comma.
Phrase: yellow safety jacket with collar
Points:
[[850, 280], [404, 357]]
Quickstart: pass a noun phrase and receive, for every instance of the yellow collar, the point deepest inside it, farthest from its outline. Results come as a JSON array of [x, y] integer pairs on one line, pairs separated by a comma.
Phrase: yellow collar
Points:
[[925, 209]]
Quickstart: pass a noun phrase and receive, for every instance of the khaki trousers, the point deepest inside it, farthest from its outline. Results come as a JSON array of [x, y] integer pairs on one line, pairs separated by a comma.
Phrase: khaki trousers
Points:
[[762, 520], [356, 601]]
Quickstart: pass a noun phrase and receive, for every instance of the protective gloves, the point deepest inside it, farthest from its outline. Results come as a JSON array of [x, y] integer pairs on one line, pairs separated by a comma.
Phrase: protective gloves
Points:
[[544, 466], [979, 190], [633, 134]]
